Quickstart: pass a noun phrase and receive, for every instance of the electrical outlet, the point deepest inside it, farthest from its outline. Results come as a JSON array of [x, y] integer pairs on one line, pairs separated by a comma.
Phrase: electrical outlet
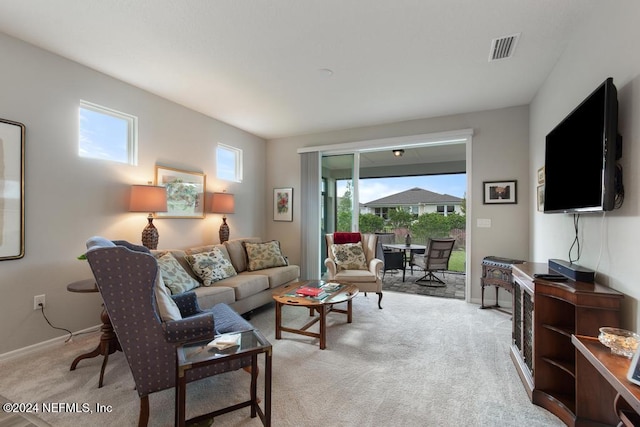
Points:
[[37, 300]]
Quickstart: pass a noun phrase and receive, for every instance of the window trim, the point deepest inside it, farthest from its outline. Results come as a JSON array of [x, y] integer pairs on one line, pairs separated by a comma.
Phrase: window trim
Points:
[[237, 153], [132, 129]]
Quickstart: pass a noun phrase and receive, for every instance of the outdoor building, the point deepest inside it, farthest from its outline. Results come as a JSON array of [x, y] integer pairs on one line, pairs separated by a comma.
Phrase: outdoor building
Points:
[[416, 200]]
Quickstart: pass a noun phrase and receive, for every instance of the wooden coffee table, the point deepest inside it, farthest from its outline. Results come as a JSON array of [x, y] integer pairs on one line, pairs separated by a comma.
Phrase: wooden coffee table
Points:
[[286, 295]]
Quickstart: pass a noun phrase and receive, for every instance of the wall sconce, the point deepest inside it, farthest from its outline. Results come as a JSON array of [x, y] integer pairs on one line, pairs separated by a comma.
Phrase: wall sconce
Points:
[[223, 203], [398, 152], [148, 198]]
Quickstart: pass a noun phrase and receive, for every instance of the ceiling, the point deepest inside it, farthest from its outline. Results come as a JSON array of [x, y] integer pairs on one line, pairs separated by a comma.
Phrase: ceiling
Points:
[[262, 66], [411, 156]]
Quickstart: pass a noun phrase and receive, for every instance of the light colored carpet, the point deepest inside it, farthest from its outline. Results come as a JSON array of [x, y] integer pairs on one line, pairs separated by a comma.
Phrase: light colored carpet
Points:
[[421, 361]]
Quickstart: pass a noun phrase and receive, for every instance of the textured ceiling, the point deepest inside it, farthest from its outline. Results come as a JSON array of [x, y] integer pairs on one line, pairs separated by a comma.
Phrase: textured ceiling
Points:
[[259, 65]]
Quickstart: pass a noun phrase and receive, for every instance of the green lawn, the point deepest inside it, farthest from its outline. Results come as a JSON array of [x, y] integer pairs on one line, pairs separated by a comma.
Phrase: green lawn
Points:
[[457, 260]]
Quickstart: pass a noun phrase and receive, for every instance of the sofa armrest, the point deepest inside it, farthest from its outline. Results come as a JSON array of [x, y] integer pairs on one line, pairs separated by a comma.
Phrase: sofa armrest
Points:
[[187, 303], [199, 327], [332, 268]]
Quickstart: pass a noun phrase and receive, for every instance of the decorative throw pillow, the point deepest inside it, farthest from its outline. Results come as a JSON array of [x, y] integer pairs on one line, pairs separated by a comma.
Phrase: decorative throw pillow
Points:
[[349, 256], [211, 266], [264, 255], [174, 276], [167, 307]]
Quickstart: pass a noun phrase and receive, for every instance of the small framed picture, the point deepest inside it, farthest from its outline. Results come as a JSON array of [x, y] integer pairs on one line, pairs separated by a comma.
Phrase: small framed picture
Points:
[[633, 374], [540, 198], [283, 204], [541, 175], [185, 192], [500, 192]]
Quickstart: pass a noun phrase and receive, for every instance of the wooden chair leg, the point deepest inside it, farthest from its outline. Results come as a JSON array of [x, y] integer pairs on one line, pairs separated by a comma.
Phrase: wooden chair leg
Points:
[[379, 300], [143, 418]]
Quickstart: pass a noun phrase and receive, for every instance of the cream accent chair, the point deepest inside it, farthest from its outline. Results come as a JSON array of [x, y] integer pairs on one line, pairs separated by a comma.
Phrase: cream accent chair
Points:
[[366, 280]]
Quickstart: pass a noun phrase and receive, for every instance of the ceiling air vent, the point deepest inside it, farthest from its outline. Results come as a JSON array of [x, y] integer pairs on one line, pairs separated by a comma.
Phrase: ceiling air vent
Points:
[[503, 47]]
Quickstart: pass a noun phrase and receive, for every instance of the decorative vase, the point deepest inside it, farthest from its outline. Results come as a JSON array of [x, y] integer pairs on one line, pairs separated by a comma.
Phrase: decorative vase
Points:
[[407, 240]]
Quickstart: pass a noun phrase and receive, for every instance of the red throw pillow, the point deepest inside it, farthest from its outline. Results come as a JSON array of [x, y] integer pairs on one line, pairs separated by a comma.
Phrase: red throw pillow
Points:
[[340, 238]]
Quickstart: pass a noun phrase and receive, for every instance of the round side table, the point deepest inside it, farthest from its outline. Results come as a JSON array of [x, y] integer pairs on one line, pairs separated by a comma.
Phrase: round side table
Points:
[[108, 341]]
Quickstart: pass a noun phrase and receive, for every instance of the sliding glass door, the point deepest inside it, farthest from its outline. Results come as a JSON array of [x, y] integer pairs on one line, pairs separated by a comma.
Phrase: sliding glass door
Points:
[[339, 207], [338, 198]]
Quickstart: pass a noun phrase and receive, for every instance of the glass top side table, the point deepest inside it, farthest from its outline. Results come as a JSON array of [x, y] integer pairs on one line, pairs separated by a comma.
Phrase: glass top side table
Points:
[[222, 349]]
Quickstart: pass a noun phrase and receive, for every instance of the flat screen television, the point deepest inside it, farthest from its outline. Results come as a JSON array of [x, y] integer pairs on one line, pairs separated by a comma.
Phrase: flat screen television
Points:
[[581, 169]]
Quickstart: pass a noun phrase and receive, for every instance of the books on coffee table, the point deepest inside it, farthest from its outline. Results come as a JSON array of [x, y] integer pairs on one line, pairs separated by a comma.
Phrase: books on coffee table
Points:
[[318, 289], [310, 291]]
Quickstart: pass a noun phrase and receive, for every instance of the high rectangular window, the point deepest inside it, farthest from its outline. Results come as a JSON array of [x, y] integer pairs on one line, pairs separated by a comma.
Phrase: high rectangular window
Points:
[[107, 134], [229, 163]]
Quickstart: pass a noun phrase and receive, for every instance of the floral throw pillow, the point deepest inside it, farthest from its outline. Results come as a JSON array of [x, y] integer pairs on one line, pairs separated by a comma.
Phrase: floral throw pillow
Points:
[[173, 275], [349, 256], [211, 266], [264, 255]]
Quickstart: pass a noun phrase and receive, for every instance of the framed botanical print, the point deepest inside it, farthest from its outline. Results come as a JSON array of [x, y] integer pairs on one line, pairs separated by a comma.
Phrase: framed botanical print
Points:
[[283, 204], [185, 192]]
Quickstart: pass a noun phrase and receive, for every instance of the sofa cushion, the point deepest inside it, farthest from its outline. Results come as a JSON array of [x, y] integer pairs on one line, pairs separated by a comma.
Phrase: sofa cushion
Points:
[[237, 252], [264, 255], [208, 296], [245, 285], [349, 256], [175, 277], [211, 266], [278, 276]]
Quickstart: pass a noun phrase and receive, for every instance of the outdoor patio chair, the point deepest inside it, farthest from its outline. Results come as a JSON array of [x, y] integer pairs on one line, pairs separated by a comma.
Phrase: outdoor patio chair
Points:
[[435, 258]]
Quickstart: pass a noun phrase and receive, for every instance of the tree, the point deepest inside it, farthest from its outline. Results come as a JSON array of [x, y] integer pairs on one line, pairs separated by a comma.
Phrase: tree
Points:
[[345, 210], [400, 218], [463, 206], [432, 225], [370, 223]]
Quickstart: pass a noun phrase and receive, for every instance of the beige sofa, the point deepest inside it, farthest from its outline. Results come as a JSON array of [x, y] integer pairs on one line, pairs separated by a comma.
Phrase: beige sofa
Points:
[[244, 291]]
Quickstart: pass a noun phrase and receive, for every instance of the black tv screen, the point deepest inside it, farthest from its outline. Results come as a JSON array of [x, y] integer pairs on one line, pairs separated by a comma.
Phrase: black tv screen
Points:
[[581, 154]]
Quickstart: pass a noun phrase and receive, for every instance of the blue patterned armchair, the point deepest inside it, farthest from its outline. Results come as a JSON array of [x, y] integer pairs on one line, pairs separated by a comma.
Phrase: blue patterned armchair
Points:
[[126, 281]]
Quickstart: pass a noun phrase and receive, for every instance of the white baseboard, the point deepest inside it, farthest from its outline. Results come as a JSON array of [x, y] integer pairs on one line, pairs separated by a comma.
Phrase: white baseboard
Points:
[[45, 344]]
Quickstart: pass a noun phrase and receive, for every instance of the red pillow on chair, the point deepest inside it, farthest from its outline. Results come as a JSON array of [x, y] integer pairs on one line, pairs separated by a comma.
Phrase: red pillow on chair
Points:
[[346, 237]]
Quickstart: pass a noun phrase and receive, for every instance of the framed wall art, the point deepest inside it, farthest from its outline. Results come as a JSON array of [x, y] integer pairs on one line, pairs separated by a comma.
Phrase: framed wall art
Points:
[[541, 175], [500, 192], [540, 198], [11, 190], [283, 204], [185, 192]]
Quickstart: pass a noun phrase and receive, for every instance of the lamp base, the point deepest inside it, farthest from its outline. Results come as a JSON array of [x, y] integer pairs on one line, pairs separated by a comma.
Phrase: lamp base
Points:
[[150, 235], [224, 231]]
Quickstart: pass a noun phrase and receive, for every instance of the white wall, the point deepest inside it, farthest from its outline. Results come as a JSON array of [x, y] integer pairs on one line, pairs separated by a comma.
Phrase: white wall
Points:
[[69, 199], [606, 44], [500, 152]]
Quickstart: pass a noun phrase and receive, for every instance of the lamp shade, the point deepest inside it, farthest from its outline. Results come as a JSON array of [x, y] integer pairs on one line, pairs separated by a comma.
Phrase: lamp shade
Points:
[[222, 203], [148, 198]]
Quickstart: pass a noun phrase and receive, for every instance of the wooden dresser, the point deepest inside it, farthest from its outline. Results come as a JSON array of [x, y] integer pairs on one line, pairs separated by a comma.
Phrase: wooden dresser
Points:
[[546, 315]]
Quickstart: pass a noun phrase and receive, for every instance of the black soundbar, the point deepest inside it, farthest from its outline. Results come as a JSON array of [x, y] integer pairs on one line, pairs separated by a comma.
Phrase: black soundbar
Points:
[[572, 271]]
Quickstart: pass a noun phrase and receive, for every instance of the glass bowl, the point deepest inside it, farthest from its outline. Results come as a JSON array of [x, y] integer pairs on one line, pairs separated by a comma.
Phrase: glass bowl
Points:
[[620, 341]]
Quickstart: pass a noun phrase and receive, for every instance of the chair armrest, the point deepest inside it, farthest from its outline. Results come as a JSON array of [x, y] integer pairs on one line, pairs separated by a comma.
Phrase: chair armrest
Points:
[[187, 303], [375, 266], [332, 268], [199, 327]]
